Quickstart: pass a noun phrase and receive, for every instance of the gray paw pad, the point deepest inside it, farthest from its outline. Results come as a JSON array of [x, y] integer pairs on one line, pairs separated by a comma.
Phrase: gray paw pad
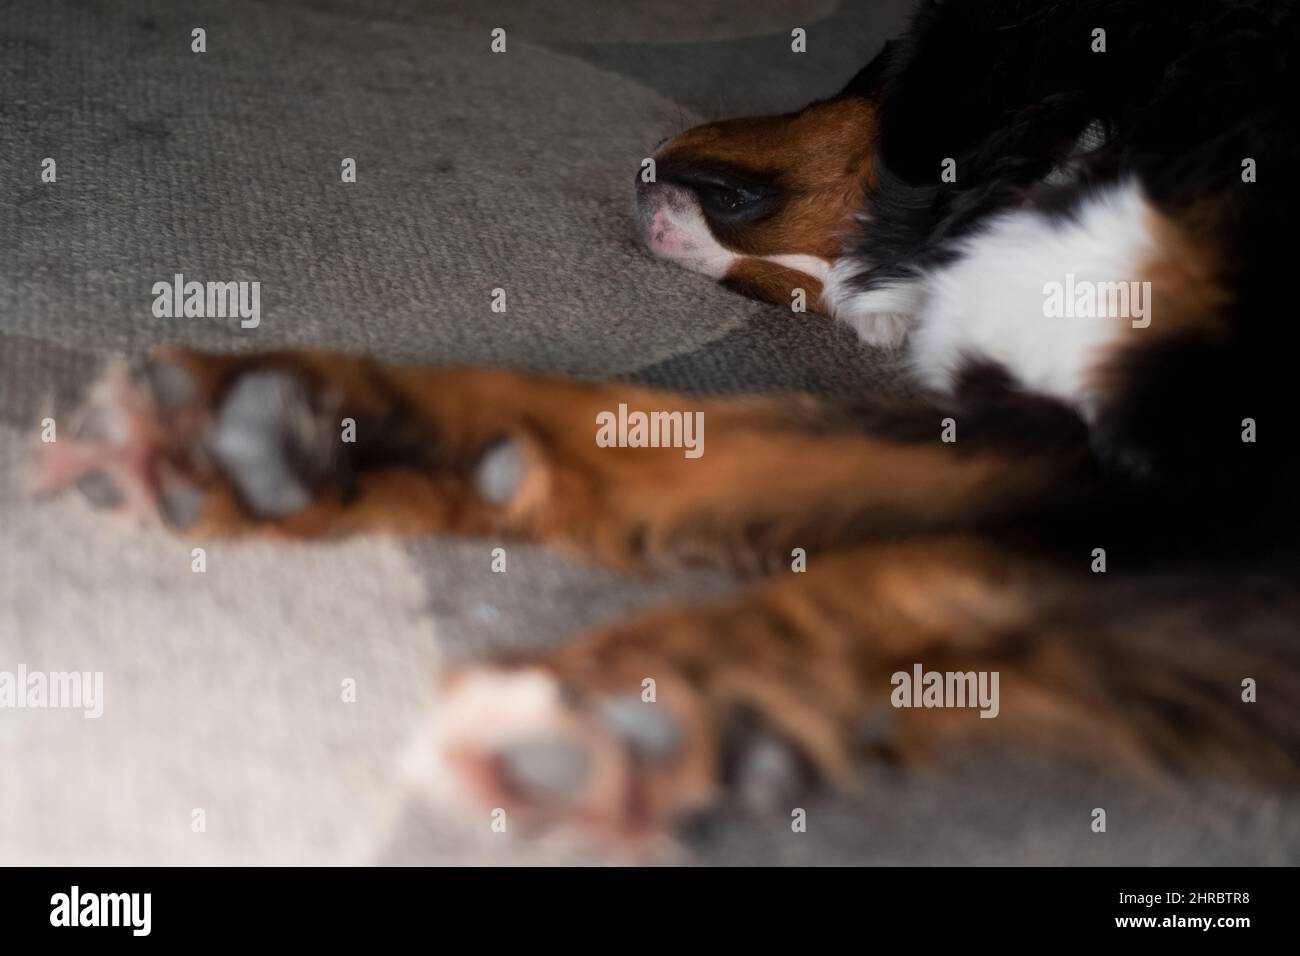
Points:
[[181, 505], [768, 774], [549, 768], [500, 471], [171, 386], [760, 766], [270, 442], [100, 489], [649, 730], [101, 424]]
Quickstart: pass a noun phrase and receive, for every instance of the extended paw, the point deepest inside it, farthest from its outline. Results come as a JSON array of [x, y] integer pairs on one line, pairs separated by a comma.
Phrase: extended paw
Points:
[[602, 764], [303, 443], [515, 739], [177, 440]]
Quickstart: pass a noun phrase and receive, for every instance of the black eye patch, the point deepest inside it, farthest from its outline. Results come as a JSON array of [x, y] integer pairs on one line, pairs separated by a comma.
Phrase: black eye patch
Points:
[[728, 195]]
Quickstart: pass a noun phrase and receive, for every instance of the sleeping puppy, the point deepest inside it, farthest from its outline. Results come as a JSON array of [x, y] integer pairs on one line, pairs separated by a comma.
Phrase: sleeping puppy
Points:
[[991, 160], [1070, 216]]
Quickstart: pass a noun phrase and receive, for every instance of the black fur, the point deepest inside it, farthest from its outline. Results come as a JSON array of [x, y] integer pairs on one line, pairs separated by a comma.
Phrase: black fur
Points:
[[1184, 92]]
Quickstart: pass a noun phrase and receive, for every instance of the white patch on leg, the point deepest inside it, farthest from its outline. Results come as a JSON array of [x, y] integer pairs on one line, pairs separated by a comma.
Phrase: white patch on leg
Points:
[[813, 266], [881, 317], [991, 302]]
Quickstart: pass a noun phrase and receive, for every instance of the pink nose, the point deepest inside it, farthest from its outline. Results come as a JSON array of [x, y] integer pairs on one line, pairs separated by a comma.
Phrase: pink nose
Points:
[[663, 235]]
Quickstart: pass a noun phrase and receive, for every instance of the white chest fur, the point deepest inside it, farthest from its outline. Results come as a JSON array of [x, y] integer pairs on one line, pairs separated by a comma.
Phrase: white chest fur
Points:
[[1043, 297]]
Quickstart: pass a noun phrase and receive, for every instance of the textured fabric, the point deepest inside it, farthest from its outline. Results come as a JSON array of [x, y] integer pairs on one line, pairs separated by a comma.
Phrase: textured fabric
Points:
[[475, 171]]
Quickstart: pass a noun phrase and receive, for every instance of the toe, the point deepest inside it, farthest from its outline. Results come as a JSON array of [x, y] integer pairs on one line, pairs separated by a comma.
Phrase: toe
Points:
[[181, 504], [500, 471], [545, 768], [100, 425], [271, 442], [651, 733], [101, 489], [171, 387]]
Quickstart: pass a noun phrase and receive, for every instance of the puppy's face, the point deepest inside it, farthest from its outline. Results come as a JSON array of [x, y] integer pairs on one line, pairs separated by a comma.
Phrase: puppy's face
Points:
[[762, 204]]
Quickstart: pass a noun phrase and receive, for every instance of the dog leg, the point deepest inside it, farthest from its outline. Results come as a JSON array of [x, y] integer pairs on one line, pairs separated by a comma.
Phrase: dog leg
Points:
[[310, 443], [633, 729]]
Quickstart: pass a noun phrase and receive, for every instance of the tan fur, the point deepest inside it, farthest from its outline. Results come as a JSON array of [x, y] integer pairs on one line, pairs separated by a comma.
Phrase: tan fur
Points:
[[1188, 293], [889, 583], [767, 481]]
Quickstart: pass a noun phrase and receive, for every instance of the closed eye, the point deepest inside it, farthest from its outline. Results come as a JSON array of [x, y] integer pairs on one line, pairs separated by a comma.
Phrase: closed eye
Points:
[[727, 200], [736, 205], [726, 196]]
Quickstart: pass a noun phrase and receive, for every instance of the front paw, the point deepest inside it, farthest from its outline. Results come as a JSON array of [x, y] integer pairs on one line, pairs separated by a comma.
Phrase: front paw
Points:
[[299, 443]]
